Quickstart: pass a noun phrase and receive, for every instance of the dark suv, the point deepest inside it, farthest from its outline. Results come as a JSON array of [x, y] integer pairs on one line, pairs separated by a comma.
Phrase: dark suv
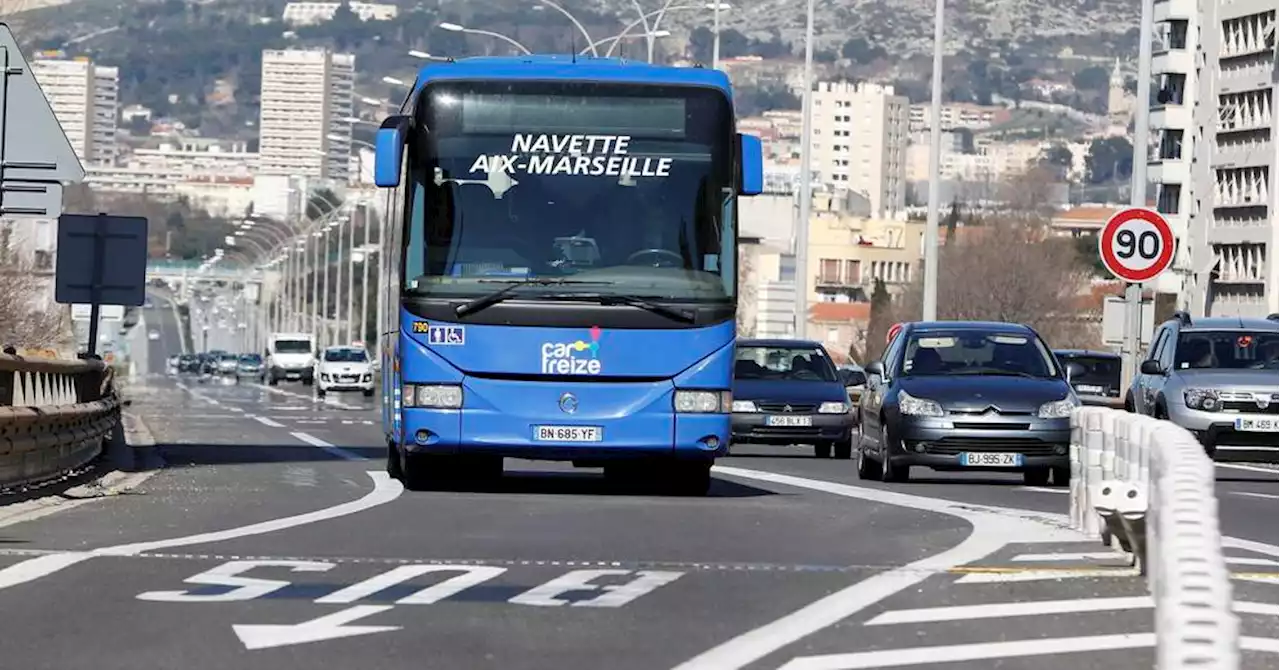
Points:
[[1095, 375]]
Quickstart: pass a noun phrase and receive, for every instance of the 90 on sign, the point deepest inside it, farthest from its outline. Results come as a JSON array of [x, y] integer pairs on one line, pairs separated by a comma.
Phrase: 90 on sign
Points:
[[1136, 245]]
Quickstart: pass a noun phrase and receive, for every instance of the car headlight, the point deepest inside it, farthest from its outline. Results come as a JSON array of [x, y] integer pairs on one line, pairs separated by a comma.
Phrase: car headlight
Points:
[[702, 402], [1205, 400], [913, 406], [432, 396], [833, 408], [1058, 409], [744, 407]]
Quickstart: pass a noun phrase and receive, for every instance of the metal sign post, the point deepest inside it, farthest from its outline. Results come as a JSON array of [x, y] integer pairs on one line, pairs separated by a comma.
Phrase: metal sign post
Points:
[[1136, 246]]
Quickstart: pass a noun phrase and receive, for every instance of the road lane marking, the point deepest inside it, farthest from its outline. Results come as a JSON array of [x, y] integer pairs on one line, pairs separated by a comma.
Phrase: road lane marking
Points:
[[1042, 489], [1251, 494], [268, 422], [320, 401], [231, 574], [1040, 574], [615, 595], [471, 576], [384, 491], [1013, 609], [327, 627], [1246, 468], [993, 528], [321, 444], [956, 653], [1069, 556]]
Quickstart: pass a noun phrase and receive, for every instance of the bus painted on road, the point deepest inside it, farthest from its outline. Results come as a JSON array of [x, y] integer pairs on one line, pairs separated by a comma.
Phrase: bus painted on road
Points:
[[563, 239]]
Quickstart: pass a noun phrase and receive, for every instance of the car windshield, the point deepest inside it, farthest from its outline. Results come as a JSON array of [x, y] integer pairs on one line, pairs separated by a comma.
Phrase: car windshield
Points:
[[250, 358], [1226, 350], [293, 347], [933, 353], [625, 187], [345, 356], [228, 357], [783, 363], [1098, 370]]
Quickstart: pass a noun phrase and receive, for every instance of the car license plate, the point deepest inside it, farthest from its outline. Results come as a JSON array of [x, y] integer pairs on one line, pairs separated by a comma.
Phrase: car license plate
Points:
[[1088, 388], [1250, 424], [789, 421], [998, 460], [568, 433]]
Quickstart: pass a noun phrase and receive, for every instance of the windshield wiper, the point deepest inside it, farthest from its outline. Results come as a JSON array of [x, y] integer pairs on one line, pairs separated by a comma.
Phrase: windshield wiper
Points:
[[506, 292], [633, 301], [1000, 373]]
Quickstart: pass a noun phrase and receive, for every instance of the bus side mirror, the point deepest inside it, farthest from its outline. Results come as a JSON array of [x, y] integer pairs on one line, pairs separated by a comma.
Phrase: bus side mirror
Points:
[[751, 163], [388, 148]]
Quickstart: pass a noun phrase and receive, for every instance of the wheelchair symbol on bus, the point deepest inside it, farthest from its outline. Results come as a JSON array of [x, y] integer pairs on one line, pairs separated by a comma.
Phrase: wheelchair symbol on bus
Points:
[[447, 335]]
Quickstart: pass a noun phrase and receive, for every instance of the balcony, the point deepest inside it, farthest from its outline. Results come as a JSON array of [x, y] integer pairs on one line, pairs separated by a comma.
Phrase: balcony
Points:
[[1174, 116]]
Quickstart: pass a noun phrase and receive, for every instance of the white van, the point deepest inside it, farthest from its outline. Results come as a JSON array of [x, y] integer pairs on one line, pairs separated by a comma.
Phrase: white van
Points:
[[290, 356]]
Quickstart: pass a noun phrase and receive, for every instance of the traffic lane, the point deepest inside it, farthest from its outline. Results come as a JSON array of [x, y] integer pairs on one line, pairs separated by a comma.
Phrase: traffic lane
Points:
[[220, 471], [499, 623], [1248, 506]]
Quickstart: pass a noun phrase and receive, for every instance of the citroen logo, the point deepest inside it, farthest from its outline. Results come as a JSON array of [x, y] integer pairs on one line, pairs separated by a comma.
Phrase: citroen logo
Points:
[[787, 408], [568, 403]]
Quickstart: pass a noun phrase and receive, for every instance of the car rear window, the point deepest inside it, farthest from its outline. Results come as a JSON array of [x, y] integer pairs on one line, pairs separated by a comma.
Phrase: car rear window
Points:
[[784, 363], [1101, 371]]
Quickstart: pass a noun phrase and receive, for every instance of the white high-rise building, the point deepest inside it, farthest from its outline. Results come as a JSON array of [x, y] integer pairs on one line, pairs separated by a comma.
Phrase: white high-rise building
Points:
[[1169, 156], [84, 98], [1233, 235], [860, 135], [304, 119]]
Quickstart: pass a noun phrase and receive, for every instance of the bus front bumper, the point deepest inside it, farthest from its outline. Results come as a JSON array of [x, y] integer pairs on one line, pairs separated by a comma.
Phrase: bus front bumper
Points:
[[639, 436]]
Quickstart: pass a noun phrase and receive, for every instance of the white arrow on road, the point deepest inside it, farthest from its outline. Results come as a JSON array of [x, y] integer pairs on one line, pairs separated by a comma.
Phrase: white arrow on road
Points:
[[328, 627]]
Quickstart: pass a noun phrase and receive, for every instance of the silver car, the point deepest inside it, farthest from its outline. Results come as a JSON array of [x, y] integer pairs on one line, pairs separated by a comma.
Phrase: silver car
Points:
[[1216, 377]]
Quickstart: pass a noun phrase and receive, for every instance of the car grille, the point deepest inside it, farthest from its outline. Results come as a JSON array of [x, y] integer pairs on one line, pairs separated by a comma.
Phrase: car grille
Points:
[[347, 378], [951, 446], [1243, 403], [781, 407]]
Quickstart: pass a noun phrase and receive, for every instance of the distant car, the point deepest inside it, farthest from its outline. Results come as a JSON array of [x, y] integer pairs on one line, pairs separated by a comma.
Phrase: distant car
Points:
[[228, 363], [188, 363], [787, 392], [249, 365], [1093, 374], [173, 365], [344, 369], [954, 395], [153, 335]]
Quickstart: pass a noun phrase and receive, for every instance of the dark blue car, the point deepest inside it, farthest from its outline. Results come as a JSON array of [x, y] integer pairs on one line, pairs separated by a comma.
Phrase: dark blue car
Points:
[[953, 395], [788, 392]]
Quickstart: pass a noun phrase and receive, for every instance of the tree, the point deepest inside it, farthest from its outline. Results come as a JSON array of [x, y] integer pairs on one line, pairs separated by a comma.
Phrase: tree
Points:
[[1109, 160], [879, 322], [26, 318], [1009, 271], [1030, 196], [1092, 79], [952, 220]]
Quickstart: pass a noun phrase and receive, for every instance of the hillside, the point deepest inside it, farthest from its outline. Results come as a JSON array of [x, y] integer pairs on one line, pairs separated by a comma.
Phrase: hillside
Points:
[[173, 54]]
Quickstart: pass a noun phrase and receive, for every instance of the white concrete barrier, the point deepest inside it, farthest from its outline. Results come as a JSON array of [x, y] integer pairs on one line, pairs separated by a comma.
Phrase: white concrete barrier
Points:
[[1146, 487]]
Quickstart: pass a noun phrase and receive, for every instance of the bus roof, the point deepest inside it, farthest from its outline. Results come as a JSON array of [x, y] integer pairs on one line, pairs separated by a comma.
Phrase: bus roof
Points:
[[567, 67]]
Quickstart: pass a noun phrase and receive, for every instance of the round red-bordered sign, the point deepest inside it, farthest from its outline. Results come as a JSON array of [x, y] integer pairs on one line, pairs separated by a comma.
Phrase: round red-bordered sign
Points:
[[1136, 245], [893, 330]]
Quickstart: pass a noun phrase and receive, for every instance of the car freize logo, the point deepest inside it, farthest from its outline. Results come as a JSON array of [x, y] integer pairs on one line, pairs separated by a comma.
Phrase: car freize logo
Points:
[[579, 357]]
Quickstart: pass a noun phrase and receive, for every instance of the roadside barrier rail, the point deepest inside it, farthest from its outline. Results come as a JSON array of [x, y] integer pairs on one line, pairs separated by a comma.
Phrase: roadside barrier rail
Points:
[[55, 416], [1146, 487]]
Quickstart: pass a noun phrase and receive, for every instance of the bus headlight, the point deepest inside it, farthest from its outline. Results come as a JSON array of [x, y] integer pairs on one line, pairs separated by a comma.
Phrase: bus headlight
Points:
[[432, 396], [703, 402]]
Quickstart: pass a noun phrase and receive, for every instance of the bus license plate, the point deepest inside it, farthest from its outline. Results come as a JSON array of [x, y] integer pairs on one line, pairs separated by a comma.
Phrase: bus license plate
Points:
[[997, 460], [789, 421], [568, 433]]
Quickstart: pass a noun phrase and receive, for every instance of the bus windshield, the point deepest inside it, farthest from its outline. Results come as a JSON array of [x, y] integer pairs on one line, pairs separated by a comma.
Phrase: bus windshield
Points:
[[626, 188]]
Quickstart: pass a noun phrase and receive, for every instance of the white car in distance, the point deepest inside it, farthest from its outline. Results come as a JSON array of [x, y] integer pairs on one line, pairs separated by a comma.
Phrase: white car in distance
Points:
[[344, 368]]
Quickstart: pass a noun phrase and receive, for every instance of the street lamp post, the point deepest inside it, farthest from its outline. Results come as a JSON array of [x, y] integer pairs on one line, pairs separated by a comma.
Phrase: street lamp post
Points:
[[455, 28], [930, 311], [806, 185]]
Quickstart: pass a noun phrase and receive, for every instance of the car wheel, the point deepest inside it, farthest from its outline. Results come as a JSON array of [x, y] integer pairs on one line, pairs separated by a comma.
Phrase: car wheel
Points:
[[867, 468], [844, 449], [889, 472]]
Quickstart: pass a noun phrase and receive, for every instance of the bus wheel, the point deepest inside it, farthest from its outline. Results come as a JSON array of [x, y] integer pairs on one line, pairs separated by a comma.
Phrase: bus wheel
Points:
[[422, 472], [393, 462]]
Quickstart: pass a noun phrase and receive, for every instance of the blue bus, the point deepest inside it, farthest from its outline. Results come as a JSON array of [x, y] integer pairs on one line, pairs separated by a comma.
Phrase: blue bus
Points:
[[566, 275]]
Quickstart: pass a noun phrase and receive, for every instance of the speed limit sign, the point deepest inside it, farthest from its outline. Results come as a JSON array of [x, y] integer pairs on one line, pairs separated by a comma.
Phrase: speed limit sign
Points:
[[1136, 245]]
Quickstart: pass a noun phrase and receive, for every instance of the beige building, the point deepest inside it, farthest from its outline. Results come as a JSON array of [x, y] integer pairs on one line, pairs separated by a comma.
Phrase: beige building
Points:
[[304, 124], [84, 98], [860, 135]]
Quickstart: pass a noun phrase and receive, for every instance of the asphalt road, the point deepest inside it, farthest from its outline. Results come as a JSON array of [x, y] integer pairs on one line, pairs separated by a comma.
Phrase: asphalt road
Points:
[[274, 540]]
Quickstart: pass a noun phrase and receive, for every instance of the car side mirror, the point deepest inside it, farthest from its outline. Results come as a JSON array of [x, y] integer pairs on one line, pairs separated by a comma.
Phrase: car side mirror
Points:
[[875, 369], [1151, 367]]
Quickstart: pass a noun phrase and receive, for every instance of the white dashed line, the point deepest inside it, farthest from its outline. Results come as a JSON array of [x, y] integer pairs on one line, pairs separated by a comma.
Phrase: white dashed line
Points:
[[336, 451], [268, 422]]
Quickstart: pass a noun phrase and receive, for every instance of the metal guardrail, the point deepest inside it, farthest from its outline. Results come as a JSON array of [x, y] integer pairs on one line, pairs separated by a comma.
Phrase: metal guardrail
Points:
[[55, 416], [1146, 487]]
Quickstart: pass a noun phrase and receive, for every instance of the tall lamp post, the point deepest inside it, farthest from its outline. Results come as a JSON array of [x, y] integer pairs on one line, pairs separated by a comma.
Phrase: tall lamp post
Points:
[[806, 185], [935, 171]]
